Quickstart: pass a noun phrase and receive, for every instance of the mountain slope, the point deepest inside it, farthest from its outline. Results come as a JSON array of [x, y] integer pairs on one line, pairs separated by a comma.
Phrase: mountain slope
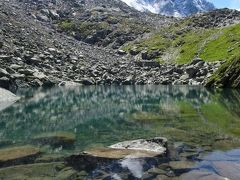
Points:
[[228, 75], [212, 36], [97, 22], [178, 8]]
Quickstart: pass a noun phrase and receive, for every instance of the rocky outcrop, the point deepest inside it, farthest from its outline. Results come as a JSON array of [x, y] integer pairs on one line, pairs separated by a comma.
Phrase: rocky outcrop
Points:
[[228, 75]]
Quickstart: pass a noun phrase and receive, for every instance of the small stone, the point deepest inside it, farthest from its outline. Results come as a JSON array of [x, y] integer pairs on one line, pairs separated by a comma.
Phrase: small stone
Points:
[[121, 52], [39, 75], [27, 72], [5, 57], [43, 18], [3, 72], [87, 81]]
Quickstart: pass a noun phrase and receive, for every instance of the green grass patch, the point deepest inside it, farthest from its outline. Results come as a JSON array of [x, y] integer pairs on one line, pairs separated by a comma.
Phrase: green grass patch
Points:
[[212, 44]]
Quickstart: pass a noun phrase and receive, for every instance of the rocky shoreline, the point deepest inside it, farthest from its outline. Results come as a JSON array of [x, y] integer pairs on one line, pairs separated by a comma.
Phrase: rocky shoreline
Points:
[[78, 72], [35, 53]]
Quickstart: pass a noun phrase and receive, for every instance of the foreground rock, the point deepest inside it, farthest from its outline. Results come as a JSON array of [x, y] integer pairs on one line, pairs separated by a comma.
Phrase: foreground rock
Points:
[[141, 148], [18, 155], [133, 149], [7, 98], [115, 154], [56, 139]]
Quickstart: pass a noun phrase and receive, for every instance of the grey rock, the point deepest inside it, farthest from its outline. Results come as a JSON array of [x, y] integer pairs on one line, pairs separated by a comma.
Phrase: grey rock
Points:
[[27, 72], [191, 71], [3, 73], [43, 18], [5, 57], [6, 98], [87, 81], [196, 61], [15, 66], [157, 145]]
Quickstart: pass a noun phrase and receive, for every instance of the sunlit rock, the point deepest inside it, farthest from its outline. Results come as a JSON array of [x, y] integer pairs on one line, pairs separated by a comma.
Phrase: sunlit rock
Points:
[[156, 145]]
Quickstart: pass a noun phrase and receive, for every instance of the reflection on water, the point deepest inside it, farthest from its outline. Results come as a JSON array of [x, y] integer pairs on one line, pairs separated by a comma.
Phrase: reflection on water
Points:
[[104, 115]]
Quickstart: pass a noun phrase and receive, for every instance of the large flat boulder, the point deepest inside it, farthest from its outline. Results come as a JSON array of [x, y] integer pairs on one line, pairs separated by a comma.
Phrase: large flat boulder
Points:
[[115, 154], [6, 98], [18, 155], [141, 148]]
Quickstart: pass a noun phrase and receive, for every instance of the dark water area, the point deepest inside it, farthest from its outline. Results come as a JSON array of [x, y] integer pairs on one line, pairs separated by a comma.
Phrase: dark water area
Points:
[[98, 116]]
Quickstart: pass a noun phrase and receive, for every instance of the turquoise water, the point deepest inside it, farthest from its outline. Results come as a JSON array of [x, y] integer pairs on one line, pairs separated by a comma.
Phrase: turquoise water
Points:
[[103, 115]]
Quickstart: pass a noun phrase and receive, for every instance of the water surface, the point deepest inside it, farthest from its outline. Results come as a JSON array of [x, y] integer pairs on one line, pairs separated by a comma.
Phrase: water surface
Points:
[[102, 115]]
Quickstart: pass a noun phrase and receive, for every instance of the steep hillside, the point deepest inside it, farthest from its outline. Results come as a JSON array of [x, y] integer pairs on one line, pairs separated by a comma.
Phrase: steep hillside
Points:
[[228, 75], [212, 36], [99, 22], [178, 8], [43, 43]]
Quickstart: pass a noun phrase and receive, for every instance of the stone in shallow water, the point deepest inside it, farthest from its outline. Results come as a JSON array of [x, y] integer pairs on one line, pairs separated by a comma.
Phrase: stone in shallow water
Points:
[[56, 139], [18, 155], [39, 171]]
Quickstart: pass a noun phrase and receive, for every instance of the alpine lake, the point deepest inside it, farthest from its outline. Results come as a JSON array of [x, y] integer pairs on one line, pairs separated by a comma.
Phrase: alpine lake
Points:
[[202, 127]]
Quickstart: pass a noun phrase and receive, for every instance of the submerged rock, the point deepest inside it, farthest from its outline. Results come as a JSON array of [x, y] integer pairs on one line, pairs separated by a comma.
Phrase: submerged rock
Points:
[[39, 171], [56, 139], [18, 155]]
